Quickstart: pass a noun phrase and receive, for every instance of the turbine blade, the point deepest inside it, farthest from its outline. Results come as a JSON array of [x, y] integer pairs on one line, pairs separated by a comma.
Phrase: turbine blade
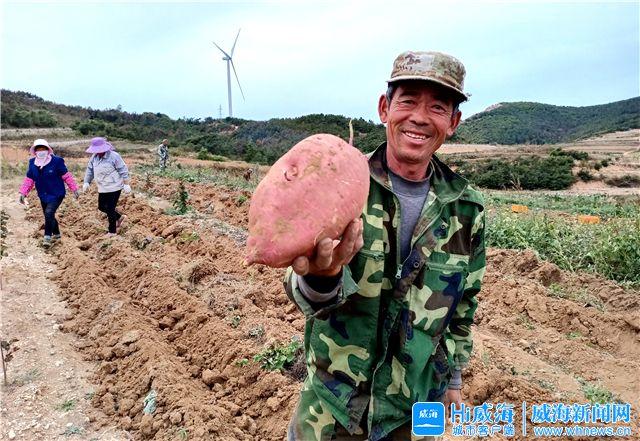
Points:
[[221, 49], [234, 43], [236, 74]]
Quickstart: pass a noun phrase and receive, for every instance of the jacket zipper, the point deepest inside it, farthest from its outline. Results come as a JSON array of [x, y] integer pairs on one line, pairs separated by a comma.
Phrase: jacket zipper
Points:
[[399, 264], [375, 255]]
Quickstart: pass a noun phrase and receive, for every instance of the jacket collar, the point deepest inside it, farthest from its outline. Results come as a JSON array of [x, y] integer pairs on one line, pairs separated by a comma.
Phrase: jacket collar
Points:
[[106, 155], [445, 183]]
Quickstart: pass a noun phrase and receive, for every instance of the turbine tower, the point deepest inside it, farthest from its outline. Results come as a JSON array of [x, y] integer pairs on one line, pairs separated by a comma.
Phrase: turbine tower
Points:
[[229, 59]]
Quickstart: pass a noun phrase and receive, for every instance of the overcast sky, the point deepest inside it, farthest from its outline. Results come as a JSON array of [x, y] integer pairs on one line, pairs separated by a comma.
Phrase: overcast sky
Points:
[[296, 58]]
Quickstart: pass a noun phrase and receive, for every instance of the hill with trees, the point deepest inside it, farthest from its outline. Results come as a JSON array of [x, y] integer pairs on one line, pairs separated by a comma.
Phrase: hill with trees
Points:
[[535, 123], [265, 141]]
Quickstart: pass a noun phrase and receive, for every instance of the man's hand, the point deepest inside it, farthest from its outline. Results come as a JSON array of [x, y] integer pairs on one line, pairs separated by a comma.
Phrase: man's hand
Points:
[[452, 396], [85, 187], [21, 199], [76, 194], [126, 188], [327, 260]]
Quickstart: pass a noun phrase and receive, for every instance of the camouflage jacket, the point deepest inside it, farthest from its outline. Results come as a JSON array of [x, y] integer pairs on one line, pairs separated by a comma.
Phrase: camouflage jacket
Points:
[[396, 330], [163, 151]]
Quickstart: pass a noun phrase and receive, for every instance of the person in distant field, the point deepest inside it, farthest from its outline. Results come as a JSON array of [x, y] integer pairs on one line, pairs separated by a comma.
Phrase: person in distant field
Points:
[[163, 154], [112, 176], [389, 308], [48, 174]]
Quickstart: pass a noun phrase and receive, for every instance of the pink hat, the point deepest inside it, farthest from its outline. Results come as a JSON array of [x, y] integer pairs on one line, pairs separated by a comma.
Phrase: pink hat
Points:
[[99, 145], [38, 143]]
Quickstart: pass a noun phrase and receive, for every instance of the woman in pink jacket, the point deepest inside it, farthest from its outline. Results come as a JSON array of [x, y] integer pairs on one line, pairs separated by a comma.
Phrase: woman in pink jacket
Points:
[[48, 174]]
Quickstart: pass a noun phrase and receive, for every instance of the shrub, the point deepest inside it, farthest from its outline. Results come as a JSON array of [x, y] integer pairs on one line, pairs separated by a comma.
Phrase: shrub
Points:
[[585, 175], [22, 118], [203, 154], [526, 173], [42, 118], [624, 181]]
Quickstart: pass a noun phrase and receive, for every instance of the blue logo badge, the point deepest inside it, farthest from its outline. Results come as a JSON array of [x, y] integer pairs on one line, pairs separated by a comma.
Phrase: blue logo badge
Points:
[[427, 419]]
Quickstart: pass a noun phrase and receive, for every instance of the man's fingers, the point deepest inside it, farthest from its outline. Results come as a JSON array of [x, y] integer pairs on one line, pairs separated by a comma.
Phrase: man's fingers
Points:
[[324, 251], [301, 265], [331, 253], [357, 245], [344, 251]]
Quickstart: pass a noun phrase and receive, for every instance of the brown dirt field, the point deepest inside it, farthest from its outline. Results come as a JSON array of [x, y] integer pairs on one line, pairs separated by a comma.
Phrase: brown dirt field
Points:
[[168, 306], [161, 308]]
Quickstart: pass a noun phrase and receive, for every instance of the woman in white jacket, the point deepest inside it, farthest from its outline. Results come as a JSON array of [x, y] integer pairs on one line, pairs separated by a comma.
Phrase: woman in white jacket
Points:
[[112, 176]]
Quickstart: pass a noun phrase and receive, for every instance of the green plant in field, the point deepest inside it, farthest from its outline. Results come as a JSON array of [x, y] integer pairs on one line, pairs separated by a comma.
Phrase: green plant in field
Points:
[[574, 335], [524, 320], [180, 204], [556, 290], [241, 199], [183, 433], [28, 377], [611, 249], [235, 321], [596, 393], [188, 236], [210, 175], [242, 362], [279, 356], [68, 405], [606, 207], [583, 296], [256, 331], [73, 430], [486, 358], [546, 384]]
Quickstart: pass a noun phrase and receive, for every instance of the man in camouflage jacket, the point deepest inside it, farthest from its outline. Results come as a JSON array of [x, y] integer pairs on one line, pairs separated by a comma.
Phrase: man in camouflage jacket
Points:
[[385, 328]]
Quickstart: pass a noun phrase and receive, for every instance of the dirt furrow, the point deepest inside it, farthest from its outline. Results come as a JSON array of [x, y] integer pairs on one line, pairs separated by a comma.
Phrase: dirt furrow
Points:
[[167, 308]]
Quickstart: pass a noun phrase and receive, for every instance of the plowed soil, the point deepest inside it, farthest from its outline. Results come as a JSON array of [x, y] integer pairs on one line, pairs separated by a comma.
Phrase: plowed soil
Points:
[[167, 307]]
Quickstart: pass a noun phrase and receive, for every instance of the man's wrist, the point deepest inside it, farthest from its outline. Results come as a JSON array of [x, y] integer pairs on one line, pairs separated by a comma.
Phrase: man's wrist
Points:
[[323, 284], [456, 380]]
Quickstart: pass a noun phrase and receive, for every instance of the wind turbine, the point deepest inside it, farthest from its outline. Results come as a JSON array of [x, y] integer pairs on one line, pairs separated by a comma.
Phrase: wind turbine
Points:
[[229, 59]]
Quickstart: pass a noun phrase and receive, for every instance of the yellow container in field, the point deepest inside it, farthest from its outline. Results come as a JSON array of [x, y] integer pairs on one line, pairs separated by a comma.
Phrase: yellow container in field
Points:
[[587, 219], [519, 208]]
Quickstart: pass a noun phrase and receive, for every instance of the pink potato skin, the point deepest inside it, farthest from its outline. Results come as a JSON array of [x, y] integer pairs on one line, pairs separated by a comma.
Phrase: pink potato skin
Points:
[[313, 191]]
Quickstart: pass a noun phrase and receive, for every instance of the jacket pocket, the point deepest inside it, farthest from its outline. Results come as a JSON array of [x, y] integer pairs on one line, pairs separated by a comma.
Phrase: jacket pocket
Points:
[[367, 270], [433, 304]]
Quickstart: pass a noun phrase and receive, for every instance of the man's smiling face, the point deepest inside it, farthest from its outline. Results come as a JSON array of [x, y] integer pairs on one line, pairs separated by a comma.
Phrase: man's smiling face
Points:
[[419, 118]]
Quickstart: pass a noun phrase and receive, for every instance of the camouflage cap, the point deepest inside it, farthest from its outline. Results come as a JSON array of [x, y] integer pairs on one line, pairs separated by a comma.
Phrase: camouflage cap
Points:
[[430, 66]]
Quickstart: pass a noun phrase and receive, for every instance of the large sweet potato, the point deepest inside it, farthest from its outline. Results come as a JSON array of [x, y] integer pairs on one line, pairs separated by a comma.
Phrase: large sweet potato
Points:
[[311, 192]]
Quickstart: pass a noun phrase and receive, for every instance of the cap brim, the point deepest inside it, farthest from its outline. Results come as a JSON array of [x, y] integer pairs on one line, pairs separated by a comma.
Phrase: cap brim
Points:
[[463, 96], [32, 149]]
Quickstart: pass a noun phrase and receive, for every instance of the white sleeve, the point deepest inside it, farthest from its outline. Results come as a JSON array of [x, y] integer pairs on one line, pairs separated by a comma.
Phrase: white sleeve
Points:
[[314, 295]]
